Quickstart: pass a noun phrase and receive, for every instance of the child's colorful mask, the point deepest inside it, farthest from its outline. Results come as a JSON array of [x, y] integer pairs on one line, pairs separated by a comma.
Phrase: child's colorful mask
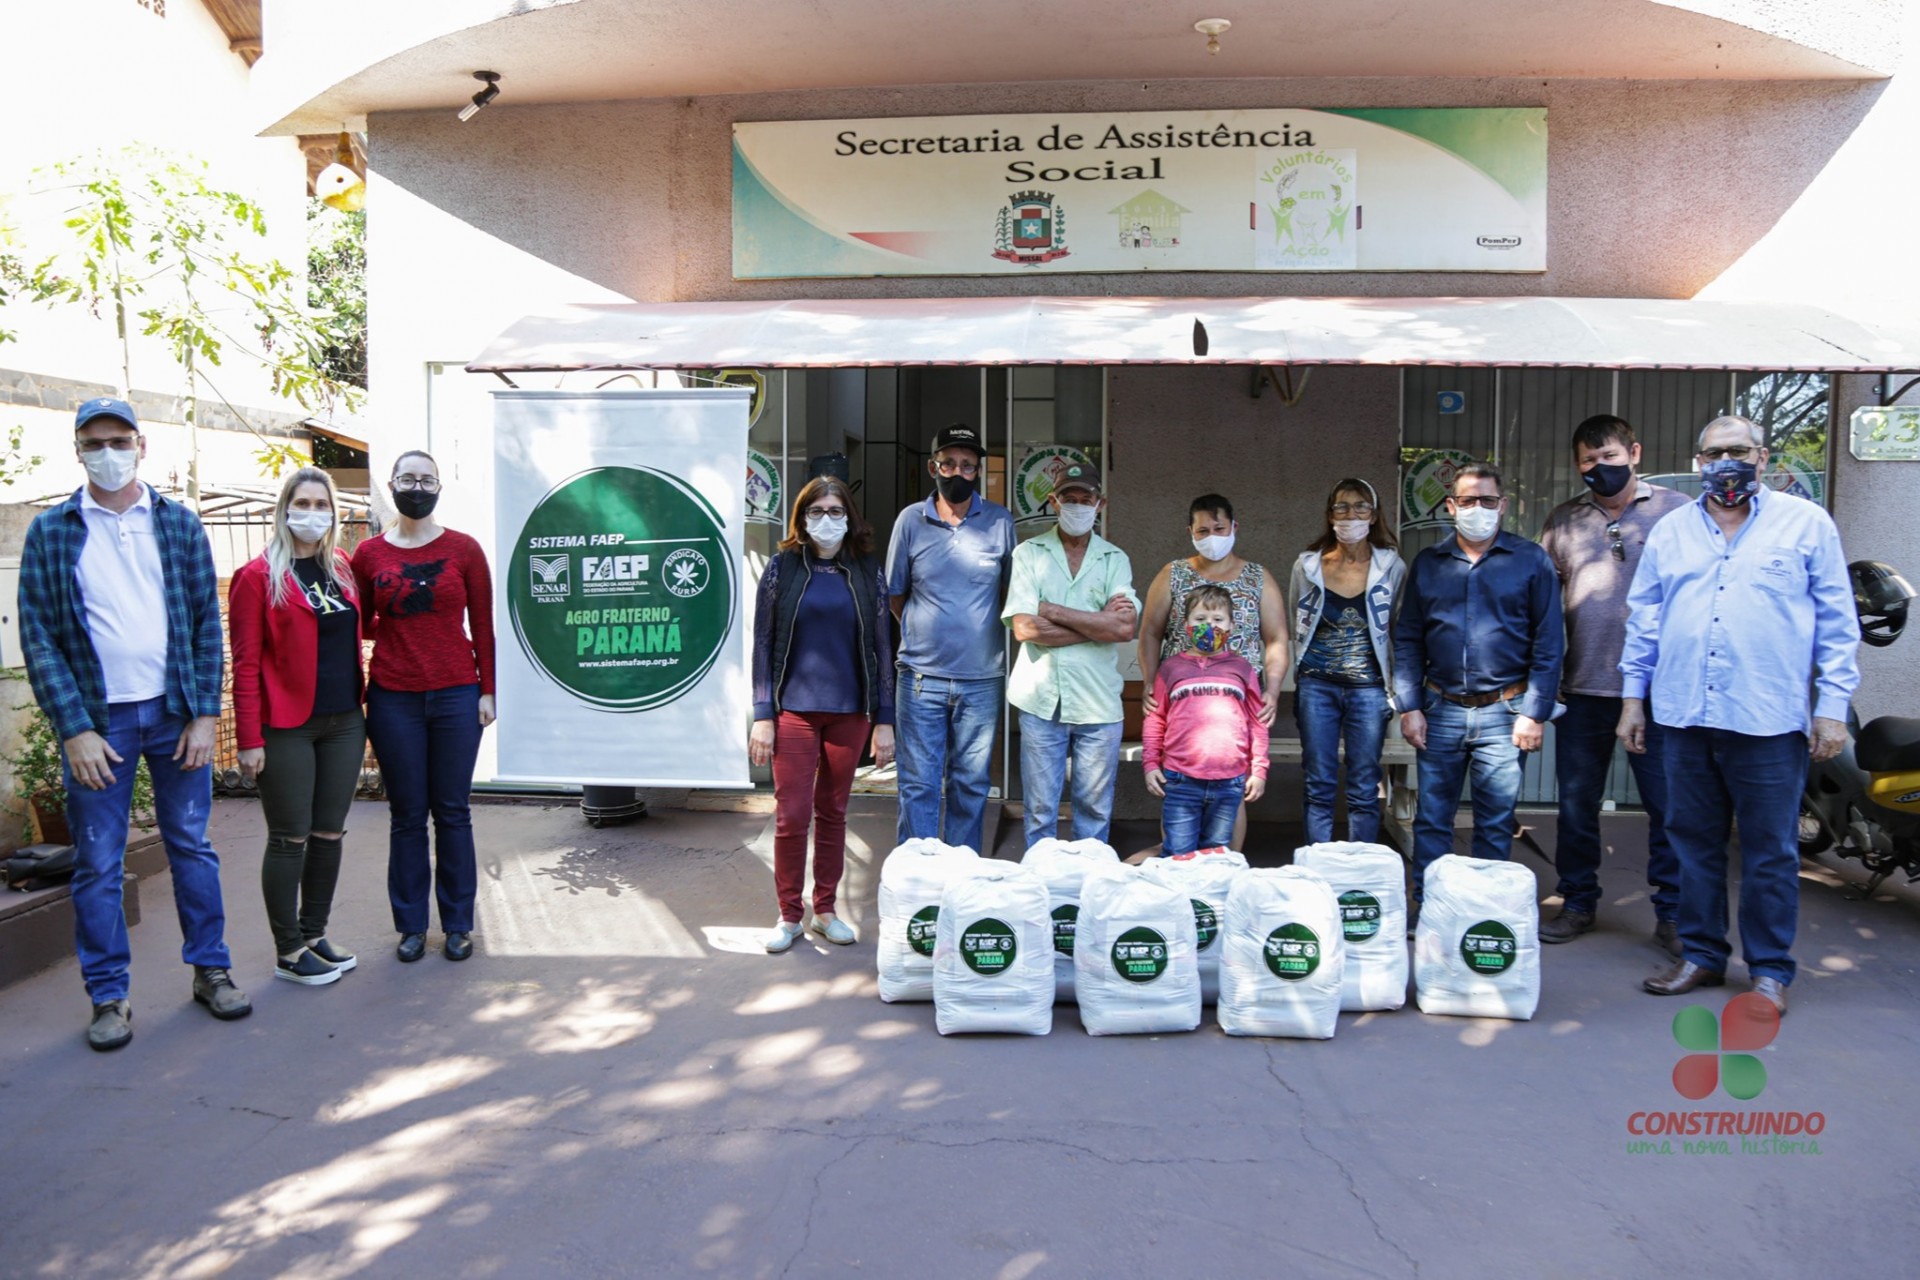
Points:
[[1206, 638]]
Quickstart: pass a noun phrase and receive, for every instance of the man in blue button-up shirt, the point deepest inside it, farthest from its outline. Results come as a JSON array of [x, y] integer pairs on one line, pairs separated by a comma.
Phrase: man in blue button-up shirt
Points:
[[1740, 599], [1477, 649]]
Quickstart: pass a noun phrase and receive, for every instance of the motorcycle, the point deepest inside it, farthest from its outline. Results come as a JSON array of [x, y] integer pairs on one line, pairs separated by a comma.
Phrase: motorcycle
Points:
[[1865, 802]]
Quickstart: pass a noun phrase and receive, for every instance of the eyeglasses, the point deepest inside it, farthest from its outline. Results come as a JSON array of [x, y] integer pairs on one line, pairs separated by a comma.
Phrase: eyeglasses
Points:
[[1739, 453], [825, 512], [1618, 548], [1362, 510], [408, 483], [968, 469], [119, 444], [1491, 503]]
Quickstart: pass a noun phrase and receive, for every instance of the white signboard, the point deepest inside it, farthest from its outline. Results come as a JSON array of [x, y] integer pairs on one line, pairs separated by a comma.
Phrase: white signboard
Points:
[[1886, 435], [1399, 189], [622, 653]]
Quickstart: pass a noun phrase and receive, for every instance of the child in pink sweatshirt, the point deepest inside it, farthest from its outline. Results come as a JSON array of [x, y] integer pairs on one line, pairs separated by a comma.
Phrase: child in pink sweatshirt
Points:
[[1206, 749]]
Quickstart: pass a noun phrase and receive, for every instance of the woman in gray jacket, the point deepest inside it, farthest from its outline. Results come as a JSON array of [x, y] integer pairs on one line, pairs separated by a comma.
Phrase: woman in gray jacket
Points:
[[1344, 590]]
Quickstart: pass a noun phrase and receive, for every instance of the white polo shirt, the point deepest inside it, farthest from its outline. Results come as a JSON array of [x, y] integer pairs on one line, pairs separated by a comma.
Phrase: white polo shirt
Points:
[[125, 595]]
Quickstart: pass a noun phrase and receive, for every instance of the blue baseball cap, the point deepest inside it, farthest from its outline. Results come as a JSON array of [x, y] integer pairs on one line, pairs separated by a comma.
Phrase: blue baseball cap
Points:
[[105, 407]]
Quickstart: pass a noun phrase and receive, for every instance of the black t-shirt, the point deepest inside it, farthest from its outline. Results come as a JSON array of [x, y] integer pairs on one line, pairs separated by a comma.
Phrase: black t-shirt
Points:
[[336, 687]]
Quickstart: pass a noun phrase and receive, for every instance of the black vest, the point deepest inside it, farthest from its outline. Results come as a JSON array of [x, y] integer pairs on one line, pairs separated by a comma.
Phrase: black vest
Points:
[[860, 573]]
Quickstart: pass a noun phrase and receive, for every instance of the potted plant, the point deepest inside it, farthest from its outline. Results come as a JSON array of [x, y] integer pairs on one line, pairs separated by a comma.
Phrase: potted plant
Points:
[[40, 784]]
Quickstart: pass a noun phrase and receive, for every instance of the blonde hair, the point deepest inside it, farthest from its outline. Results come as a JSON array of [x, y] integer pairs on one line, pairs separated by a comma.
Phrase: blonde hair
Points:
[[279, 554]]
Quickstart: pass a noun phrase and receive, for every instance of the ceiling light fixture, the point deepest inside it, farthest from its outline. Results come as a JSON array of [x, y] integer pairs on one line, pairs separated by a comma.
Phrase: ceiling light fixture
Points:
[[1211, 29], [483, 97]]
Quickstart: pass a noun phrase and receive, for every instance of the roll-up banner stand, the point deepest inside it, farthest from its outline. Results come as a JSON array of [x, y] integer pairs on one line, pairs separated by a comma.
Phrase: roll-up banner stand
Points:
[[622, 647]]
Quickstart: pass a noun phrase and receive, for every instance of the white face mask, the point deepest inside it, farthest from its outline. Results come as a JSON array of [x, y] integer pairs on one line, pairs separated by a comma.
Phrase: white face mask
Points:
[[309, 526], [111, 469], [1076, 518], [1476, 524], [827, 532], [1351, 530], [1217, 546]]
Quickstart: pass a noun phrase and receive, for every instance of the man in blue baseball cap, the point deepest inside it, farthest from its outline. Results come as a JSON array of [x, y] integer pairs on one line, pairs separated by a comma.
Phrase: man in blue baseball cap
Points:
[[120, 623]]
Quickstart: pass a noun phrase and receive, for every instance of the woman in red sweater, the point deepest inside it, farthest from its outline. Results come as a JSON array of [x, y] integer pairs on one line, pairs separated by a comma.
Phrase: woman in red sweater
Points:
[[429, 606], [294, 618]]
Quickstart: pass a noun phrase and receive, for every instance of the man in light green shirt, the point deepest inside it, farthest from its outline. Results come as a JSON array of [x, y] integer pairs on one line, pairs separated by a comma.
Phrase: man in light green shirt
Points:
[[1071, 605]]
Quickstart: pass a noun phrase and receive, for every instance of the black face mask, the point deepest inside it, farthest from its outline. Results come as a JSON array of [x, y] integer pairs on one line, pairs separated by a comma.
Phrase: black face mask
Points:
[[955, 489], [1607, 478], [415, 504]]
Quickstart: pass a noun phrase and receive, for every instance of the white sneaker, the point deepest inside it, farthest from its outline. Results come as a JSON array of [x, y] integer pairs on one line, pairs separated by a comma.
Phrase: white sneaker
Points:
[[783, 936], [833, 929]]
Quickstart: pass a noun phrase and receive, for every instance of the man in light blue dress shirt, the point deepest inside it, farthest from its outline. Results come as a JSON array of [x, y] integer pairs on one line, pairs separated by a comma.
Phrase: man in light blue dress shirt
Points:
[[1740, 600]]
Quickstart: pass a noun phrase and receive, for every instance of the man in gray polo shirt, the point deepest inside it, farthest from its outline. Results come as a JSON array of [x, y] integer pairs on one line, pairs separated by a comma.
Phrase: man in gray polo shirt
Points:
[[947, 570], [1595, 543]]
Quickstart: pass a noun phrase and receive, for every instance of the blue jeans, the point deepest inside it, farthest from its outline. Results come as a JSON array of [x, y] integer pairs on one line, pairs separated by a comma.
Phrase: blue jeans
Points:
[[1584, 744], [943, 743], [1716, 777], [1045, 746], [427, 743], [182, 800], [1462, 741], [1328, 712], [1198, 813]]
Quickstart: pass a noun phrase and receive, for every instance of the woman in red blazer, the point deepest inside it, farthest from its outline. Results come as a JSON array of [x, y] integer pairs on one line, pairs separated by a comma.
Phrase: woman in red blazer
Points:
[[297, 684]]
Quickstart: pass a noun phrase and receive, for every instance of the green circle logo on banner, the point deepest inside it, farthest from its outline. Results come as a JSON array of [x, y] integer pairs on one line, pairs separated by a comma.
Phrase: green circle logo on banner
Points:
[[988, 946], [1140, 955], [620, 587], [922, 928], [1293, 952], [1066, 919], [1488, 947], [1206, 923]]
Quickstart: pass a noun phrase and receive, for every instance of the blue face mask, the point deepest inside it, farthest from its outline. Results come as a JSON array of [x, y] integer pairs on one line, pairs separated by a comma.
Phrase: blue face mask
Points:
[[1731, 482]]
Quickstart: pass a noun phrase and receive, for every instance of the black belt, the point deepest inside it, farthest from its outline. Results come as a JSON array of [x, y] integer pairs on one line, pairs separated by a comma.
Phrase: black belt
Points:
[[1480, 699]]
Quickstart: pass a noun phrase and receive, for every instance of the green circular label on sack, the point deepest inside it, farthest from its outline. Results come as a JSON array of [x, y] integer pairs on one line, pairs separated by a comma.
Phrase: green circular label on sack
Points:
[[620, 587], [1293, 951], [987, 946], [1140, 955], [920, 929], [1359, 915], [1206, 923], [1066, 919], [1489, 947]]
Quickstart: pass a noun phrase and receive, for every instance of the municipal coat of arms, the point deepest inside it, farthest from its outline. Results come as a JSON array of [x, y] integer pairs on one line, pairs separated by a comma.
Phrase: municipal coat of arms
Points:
[[1032, 229]]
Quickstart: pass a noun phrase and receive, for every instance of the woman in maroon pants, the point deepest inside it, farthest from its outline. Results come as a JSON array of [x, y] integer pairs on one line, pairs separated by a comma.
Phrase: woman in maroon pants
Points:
[[822, 681]]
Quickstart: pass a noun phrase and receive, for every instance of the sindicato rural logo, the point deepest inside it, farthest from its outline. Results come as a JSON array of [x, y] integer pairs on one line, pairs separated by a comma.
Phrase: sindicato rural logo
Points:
[[620, 587]]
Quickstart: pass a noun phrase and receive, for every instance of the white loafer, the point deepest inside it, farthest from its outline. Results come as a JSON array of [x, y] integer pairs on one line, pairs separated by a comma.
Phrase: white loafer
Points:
[[783, 936], [834, 930]]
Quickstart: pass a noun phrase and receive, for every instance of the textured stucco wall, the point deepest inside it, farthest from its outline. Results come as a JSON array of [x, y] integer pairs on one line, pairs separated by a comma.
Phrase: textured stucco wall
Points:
[[1655, 187], [1874, 505]]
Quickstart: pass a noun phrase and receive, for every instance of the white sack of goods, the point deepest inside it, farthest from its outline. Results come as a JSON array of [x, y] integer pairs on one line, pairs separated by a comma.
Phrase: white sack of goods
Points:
[[1135, 969], [1207, 879], [993, 953], [912, 879], [1063, 865], [1282, 956], [1477, 951], [1370, 882]]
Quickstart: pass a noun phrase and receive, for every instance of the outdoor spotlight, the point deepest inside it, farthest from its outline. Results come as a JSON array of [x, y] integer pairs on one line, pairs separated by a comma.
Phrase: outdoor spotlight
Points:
[[482, 98]]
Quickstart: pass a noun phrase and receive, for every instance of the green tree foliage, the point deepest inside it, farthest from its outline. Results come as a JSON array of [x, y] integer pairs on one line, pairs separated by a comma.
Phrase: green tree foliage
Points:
[[337, 288]]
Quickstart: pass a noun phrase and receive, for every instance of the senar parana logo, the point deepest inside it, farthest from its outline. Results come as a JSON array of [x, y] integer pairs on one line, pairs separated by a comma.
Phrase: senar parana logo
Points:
[[655, 600]]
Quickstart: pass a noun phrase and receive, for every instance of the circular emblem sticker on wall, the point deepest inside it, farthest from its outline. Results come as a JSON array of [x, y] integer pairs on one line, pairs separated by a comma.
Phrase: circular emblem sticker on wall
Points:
[[1038, 472], [754, 381], [1426, 486], [620, 589], [763, 488]]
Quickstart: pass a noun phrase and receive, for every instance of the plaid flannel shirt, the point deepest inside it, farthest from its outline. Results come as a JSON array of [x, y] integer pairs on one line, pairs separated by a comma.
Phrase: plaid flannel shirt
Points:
[[62, 666]]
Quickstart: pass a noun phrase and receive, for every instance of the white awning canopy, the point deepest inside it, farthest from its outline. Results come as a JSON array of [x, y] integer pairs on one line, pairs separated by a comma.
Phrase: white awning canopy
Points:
[[1593, 333]]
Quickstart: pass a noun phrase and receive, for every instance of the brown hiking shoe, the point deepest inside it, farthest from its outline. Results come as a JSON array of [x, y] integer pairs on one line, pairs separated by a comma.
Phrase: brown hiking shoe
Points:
[[214, 988]]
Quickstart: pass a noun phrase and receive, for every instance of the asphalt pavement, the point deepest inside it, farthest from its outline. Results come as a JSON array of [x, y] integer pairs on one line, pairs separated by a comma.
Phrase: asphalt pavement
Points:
[[621, 1083]]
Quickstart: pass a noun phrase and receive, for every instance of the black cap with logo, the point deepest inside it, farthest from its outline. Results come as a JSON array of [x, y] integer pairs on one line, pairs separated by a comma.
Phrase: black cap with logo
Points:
[[958, 436], [1078, 476]]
